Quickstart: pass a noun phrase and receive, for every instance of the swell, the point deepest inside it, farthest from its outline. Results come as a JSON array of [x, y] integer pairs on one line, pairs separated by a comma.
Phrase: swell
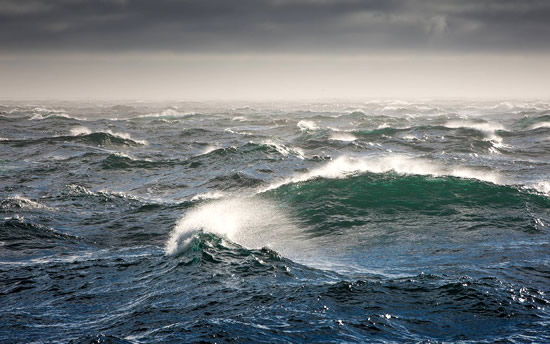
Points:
[[409, 191], [530, 123], [409, 307], [210, 248], [460, 128], [329, 206], [93, 139], [267, 150], [209, 155], [123, 162], [17, 233]]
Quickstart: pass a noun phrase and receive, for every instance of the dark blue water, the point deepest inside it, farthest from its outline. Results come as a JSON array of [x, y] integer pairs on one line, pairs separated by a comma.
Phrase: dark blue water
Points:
[[264, 223]]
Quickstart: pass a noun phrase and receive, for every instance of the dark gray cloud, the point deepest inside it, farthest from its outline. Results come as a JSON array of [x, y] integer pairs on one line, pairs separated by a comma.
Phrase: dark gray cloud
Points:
[[275, 26]]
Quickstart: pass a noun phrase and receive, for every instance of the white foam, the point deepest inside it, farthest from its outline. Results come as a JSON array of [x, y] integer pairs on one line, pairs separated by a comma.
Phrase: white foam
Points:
[[485, 127], [126, 136], [80, 131], [127, 156], [307, 125], [410, 138], [284, 150], [208, 195], [342, 136], [391, 108], [167, 113], [542, 186], [540, 125], [253, 223], [41, 116], [25, 203], [231, 131], [74, 189], [345, 166], [209, 149]]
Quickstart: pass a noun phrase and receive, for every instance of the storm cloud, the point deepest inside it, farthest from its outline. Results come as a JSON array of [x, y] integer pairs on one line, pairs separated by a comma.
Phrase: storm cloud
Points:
[[275, 26]]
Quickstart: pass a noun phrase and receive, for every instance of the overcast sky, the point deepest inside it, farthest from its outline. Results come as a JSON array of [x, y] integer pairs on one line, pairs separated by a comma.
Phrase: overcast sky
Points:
[[212, 49]]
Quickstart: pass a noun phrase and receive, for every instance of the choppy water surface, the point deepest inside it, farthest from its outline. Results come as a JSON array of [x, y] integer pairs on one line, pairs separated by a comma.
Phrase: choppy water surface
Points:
[[359, 222]]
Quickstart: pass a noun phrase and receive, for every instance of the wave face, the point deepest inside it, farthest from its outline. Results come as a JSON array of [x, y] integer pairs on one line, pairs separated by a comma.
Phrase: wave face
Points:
[[381, 221]]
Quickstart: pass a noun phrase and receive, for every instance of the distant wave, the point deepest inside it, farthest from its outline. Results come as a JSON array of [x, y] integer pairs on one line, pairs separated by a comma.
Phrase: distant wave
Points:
[[84, 131], [85, 136], [342, 136], [266, 148], [123, 161], [75, 190], [58, 115], [20, 202], [540, 125], [167, 114], [485, 127], [305, 125], [232, 131], [284, 150], [18, 233]]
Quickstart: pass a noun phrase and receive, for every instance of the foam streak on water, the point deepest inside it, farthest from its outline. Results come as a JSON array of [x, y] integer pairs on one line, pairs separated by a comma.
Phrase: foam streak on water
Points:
[[380, 221]]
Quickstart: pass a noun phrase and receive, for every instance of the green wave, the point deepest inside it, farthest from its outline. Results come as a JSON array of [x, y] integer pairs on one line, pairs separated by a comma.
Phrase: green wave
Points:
[[395, 199]]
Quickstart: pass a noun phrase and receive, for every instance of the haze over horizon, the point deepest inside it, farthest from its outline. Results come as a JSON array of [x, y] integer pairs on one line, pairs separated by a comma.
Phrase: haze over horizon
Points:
[[273, 49]]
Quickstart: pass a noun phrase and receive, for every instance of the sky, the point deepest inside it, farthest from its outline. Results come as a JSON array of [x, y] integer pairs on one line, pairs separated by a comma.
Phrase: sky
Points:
[[274, 49]]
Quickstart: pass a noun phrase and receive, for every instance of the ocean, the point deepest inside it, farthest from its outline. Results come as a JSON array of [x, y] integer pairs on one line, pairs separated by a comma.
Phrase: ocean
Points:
[[246, 222]]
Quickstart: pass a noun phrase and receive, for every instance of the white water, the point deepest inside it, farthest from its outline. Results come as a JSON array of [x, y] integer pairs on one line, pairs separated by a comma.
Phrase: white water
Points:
[[305, 125], [253, 223], [81, 130], [344, 166]]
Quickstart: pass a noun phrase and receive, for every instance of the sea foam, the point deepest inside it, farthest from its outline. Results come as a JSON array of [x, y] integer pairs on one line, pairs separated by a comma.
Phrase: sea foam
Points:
[[307, 125], [253, 223], [81, 130], [345, 166], [540, 125]]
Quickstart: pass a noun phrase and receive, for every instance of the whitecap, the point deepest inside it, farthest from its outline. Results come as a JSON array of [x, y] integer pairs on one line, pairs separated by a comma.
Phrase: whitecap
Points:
[[81, 130], [231, 131], [76, 131], [167, 113], [18, 201], [284, 150], [542, 187], [540, 125], [208, 195], [253, 223], [209, 149], [345, 166], [410, 138], [307, 125], [342, 136], [126, 136], [485, 127]]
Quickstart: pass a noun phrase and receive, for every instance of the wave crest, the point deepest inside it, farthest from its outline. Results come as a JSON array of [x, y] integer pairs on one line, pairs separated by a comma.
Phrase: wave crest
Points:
[[253, 223], [345, 166]]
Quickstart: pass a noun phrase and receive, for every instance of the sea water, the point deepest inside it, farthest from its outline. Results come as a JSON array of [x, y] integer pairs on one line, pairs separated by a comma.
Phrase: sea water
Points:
[[379, 221]]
